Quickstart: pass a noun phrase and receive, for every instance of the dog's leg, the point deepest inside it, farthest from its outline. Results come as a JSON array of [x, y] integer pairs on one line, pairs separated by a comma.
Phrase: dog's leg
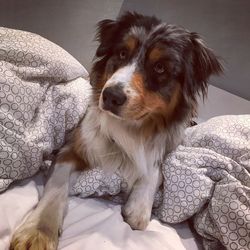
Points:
[[138, 208], [41, 229]]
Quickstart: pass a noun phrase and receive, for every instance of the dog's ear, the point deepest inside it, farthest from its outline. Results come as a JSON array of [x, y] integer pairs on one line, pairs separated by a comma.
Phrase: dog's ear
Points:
[[202, 64], [105, 32]]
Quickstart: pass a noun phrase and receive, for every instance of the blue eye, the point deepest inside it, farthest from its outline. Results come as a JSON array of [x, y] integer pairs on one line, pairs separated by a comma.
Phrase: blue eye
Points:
[[159, 68]]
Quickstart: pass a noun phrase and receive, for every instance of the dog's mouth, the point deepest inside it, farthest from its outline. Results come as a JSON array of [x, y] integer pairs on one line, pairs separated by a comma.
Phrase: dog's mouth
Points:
[[122, 112], [117, 102], [117, 116]]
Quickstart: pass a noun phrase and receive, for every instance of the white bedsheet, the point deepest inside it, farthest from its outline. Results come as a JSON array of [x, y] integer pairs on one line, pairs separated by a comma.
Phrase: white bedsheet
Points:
[[91, 223]]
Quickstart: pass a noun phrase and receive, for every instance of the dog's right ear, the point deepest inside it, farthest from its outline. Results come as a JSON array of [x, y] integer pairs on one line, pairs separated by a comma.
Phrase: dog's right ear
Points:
[[104, 35]]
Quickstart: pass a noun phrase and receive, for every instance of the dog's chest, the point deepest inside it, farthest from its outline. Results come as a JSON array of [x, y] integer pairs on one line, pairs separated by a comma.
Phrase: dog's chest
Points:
[[100, 139], [112, 146]]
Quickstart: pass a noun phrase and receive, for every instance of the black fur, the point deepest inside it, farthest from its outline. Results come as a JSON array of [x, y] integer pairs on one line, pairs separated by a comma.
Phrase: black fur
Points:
[[186, 59], [109, 32]]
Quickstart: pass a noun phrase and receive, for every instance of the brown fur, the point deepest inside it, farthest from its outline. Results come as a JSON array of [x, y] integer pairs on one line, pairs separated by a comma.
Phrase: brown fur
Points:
[[157, 111], [99, 86], [75, 153], [34, 239], [160, 120], [150, 101]]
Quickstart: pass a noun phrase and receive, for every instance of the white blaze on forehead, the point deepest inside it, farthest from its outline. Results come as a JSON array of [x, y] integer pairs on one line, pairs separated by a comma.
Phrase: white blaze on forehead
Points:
[[122, 76], [138, 32], [156, 28]]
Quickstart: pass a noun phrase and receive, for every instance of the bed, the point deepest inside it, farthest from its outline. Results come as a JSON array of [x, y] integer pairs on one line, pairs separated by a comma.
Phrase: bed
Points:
[[204, 201]]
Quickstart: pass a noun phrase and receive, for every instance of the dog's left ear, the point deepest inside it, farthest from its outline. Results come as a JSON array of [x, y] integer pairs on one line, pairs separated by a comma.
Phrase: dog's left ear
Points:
[[104, 35], [203, 63]]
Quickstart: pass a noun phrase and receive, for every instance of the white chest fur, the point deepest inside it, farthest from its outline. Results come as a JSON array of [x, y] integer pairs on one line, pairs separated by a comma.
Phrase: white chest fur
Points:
[[113, 145]]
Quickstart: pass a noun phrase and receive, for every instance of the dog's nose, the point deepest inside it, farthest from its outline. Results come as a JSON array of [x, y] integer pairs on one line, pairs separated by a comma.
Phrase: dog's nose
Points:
[[113, 98]]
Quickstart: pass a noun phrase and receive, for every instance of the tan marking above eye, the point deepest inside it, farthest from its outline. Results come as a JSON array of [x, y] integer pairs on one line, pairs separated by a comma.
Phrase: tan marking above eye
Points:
[[155, 54], [131, 43]]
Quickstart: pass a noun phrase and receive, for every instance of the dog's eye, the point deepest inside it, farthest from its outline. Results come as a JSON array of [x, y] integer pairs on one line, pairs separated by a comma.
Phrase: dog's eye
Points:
[[123, 54], [159, 68]]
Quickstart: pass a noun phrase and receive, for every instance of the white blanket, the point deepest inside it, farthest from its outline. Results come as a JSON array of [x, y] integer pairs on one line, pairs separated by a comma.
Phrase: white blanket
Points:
[[91, 224]]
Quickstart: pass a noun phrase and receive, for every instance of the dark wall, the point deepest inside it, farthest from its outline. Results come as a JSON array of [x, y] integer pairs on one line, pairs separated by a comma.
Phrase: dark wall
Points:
[[224, 24], [69, 23]]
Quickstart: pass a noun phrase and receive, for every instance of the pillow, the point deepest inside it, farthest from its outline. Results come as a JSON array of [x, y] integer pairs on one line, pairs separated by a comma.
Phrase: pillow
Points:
[[44, 93]]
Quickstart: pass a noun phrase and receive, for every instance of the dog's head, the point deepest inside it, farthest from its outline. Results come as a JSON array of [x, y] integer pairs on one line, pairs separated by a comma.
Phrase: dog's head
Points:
[[147, 68]]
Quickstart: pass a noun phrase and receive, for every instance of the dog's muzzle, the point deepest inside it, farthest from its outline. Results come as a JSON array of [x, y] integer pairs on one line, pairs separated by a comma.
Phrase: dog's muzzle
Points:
[[113, 98]]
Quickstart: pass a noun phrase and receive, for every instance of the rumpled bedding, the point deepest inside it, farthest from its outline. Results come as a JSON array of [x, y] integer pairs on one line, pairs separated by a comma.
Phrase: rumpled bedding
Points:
[[207, 178], [43, 94]]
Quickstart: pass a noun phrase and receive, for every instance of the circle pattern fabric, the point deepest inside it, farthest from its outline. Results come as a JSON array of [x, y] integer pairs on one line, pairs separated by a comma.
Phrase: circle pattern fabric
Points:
[[42, 97]]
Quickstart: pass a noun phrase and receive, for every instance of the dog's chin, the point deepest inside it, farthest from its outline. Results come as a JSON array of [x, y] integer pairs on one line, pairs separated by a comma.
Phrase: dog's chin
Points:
[[110, 113], [114, 115]]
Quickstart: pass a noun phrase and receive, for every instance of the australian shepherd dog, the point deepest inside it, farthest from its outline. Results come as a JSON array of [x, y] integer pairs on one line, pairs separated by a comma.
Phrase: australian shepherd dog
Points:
[[146, 78]]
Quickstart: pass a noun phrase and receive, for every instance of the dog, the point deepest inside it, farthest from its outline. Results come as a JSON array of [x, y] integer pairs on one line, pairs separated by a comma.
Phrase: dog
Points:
[[146, 78]]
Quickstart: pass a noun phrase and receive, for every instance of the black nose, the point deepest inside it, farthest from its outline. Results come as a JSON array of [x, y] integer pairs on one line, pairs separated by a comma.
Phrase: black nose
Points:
[[113, 98]]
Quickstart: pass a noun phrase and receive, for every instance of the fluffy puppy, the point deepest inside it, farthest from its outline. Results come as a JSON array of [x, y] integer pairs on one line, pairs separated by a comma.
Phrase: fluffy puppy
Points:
[[146, 78]]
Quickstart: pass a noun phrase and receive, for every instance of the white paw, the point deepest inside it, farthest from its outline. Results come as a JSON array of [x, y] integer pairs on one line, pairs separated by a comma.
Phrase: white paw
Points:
[[137, 214], [33, 237]]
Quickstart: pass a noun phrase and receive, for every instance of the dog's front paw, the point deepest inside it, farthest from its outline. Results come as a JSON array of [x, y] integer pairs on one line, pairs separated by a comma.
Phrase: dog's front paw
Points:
[[137, 214], [34, 238]]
